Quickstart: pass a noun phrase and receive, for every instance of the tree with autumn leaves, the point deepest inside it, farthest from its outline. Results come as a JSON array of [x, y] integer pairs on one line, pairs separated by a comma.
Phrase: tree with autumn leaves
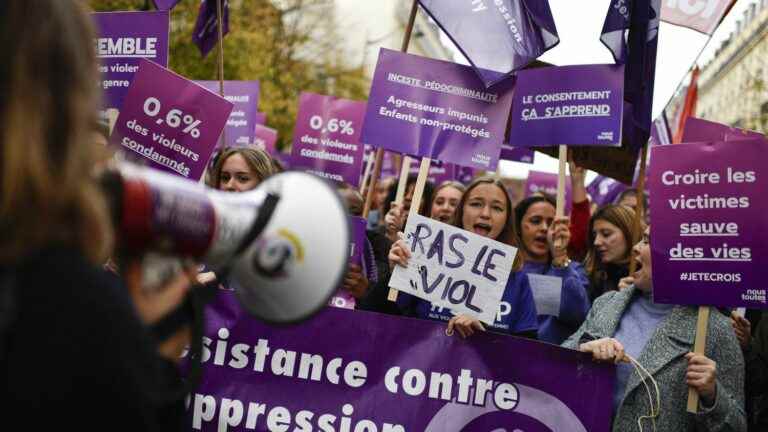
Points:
[[290, 46]]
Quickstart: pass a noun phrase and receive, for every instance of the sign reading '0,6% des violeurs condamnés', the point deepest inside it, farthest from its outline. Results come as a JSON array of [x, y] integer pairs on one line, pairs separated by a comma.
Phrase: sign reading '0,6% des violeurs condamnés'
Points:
[[168, 122]]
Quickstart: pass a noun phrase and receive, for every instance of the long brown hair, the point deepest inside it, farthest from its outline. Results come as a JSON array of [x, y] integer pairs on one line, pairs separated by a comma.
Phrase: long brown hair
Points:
[[48, 108], [623, 218], [508, 234]]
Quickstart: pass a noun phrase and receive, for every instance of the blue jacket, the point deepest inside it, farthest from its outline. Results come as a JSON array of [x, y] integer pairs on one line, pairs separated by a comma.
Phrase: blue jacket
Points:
[[516, 315], [574, 301]]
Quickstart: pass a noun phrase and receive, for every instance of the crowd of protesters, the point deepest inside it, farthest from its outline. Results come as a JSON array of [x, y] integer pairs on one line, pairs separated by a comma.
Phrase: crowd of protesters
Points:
[[73, 334]]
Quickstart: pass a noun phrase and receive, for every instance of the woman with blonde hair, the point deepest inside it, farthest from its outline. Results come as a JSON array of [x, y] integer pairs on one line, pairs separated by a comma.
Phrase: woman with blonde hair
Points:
[[611, 233], [240, 169], [75, 351]]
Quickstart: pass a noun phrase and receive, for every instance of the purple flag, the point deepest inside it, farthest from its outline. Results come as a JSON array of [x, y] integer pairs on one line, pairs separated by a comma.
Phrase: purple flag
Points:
[[326, 139], [604, 190], [245, 96], [206, 32], [436, 109], [165, 4], [124, 38], [516, 154], [630, 32], [168, 122], [359, 371], [497, 36], [572, 105], [709, 236]]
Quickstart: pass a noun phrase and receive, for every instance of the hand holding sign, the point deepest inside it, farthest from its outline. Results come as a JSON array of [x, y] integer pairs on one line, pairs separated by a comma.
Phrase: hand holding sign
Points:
[[453, 268]]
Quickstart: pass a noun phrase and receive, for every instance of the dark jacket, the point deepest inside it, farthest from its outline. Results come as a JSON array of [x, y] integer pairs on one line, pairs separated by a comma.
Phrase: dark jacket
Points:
[[756, 360], [76, 356]]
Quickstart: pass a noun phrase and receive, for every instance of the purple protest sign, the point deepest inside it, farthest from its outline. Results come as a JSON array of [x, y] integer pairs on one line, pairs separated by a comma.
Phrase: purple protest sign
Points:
[[165, 4], [265, 138], [124, 38], [546, 183], [660, 134], [357, 225], [359, 371], [326, 139], [516, 154], [206, 32], [438, 171], [245, 96], [464, 174], [709, 238], [260, 118], [604, 190], [572, 105], [168, 122], [700, 130], [497, 37], [435, 109]]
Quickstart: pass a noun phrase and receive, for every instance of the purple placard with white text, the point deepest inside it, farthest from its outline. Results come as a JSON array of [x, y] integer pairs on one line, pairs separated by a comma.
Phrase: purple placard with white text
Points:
[[709, 233], [326, 139], [265, 138], [245, 97], [571, 105], [546, 183], [516, 154], [358, 371], [436, 109], [357, 225], [124, 38], [168, 122]]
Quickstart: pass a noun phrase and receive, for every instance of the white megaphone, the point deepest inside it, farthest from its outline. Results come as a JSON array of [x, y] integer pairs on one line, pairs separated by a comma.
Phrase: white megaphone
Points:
[[285, 244]]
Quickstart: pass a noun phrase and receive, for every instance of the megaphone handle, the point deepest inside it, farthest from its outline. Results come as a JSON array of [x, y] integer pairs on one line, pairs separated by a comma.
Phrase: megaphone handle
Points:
[[265, 214]]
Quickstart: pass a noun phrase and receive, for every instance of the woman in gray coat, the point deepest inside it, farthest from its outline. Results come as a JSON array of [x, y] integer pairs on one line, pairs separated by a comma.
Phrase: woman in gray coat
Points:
[[660, 338]]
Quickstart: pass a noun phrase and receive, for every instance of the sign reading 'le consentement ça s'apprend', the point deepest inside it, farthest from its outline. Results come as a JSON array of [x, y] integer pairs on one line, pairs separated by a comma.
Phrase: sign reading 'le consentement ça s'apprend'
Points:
[[571, 105], [436, 109], [709, 232]]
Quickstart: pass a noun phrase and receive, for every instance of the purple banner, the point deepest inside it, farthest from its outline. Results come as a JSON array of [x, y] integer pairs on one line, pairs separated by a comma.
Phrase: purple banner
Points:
[[514, 32], [326, 139], [604, 190], [357, 225], [709, 237], [265, 138], [245, 96], [464, 175], [358, 371], [546, 183], [435, 109], [700, 130], [572, 105], [206, 32], [516, 154], [123, 39], [168, 122]]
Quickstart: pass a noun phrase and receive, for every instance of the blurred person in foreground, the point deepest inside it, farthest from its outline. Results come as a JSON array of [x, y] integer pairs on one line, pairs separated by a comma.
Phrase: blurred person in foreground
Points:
[[75, 347]]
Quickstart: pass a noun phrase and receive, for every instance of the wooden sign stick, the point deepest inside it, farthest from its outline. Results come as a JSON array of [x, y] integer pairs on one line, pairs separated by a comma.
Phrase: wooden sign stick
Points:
[[699, 345], [563, 161], [380, 151]]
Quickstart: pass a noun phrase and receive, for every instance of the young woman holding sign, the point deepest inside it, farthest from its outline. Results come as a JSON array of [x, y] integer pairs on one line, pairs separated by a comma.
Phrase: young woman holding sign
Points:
[[543, 241], [485, 210], [611, 233], [660, 338]]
